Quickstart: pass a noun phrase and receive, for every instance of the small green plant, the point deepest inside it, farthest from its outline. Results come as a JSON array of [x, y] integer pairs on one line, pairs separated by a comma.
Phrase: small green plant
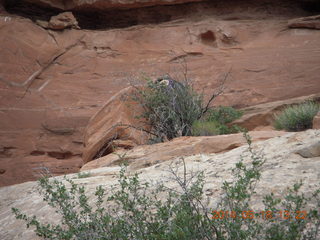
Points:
[[83, 174], [206, 128], [223, 114], [215, 120], [297, 117]]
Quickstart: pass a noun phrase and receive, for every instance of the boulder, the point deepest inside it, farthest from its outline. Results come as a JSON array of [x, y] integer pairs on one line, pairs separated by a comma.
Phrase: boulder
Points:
[[113, 123], [148, 155], [316, 121], [62, 21], [312, 22]]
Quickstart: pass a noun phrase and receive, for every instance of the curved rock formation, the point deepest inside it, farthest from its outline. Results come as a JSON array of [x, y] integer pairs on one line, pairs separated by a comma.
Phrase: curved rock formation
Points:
[[148, 155], [105, 4], [115, 126]]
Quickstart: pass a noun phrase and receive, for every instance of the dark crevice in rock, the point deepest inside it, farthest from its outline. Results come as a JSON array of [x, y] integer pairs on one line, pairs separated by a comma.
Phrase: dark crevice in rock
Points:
[[208, 38], [104, 150], [312, 6], [6, 151], [37, 153], [120, 18], [60, 155]]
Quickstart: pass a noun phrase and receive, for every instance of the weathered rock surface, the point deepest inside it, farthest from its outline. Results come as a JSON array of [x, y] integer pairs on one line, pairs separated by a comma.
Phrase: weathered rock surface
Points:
[[316, 121], [261, 116], [312, 22], [62, 21], [283, 168], [109, 128], [65, 77], [148, 155], [2, 10], [105, 4]]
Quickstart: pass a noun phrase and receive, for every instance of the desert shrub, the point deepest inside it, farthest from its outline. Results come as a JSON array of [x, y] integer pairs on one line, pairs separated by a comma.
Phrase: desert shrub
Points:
[[134, 210], [135, 214], [223, 114], [239, 221], [175, 109], [297, 117], [206, 128], [170, 109], [215, 120], [83, 174], [211, 128]]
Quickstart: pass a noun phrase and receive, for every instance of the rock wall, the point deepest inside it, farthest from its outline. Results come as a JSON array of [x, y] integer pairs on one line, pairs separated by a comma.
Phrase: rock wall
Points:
[[53, 82], [105, 4]]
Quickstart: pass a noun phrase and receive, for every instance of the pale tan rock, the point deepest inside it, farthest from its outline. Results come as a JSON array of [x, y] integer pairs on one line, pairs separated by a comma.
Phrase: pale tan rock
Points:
[[316, 121], [62, 21], [113, 122], [148, 155], [312, 22], [282, 168]]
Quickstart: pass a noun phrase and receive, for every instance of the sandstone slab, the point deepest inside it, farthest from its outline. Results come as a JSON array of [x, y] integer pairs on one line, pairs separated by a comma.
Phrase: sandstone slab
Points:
[[148, 155], [312, 22]]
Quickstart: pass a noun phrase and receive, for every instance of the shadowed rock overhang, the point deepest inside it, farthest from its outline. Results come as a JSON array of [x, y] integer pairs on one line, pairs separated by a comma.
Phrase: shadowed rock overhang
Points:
[[106, 14]]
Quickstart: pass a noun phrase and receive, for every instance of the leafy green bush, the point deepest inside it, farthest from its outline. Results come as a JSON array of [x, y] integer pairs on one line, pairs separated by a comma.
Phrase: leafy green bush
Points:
[[215, 120], [202, 128], [223, 114], [297, 117], [84, 174], [266, 224], [134, 210]]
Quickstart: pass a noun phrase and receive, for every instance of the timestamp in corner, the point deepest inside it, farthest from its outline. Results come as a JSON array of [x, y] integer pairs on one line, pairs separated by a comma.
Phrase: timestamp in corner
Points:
[[265, 215]]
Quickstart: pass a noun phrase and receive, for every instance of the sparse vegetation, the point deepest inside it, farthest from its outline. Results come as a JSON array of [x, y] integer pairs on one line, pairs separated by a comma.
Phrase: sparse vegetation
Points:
[[173, 109], [84, 174], [223, 114], [297, 117], [170, 110], [136, 211], [215, 122]]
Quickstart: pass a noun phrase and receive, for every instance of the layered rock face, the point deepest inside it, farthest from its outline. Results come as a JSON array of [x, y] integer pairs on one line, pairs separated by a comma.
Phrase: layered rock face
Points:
[[288, 159], [53, 81], [144, 156], [105, 4]]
